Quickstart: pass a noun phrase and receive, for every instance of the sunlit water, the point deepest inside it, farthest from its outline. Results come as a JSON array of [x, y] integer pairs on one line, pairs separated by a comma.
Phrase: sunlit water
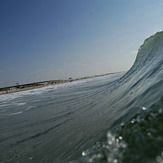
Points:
[[111, 119]]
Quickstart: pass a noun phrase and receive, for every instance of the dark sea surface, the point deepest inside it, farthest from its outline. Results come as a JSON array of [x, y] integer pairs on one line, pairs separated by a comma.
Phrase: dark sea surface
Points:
[[111, 119]]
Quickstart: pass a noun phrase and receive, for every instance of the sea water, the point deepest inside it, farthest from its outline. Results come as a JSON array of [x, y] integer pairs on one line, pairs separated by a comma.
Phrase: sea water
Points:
[[52, 123], [111, 119]]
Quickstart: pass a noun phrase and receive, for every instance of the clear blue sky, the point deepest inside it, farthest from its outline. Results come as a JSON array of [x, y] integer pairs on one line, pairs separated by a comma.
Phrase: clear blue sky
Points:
[[52, 39]]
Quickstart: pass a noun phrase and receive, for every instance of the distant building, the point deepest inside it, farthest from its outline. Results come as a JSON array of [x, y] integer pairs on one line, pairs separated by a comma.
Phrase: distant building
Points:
[[70, 79]]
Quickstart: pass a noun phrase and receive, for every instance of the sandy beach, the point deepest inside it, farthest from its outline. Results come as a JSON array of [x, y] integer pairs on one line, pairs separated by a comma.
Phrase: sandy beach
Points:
[[30, 86]]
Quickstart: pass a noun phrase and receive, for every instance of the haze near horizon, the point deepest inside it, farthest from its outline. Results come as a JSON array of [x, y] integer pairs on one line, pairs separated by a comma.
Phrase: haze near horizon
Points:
[[57, 39]]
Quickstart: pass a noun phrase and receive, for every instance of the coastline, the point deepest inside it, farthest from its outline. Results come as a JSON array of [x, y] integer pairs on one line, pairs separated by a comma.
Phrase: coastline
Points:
[[30, 86]]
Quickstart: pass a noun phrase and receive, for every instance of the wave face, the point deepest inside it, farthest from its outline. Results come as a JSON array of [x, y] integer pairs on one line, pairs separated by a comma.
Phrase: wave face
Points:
[[137, 135], [112, 119]]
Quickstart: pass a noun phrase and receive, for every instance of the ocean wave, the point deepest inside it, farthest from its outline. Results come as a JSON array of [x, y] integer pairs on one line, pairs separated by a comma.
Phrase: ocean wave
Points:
[[136, 134], [121, 115], [137, 140]]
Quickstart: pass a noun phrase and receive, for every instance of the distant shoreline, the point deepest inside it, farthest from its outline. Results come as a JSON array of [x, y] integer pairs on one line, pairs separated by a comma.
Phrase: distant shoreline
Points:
[[30, 86]]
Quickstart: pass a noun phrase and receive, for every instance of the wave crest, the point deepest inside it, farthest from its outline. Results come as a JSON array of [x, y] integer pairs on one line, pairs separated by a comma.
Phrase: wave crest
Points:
[[151, 48]]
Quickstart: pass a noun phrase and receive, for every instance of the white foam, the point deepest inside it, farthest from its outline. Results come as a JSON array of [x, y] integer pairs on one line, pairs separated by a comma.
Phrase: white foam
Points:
[[20, 112], [17, 112], [38, 91], [20, 104], [29, 108]]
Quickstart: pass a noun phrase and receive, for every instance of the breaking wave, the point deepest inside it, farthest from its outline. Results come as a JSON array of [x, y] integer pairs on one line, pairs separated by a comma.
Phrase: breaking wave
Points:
[[137, 135], [111, 119]]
